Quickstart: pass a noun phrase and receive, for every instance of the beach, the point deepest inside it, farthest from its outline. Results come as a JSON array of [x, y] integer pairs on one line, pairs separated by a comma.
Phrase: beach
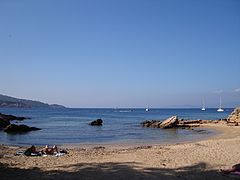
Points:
[[200, 159], [119, 90]]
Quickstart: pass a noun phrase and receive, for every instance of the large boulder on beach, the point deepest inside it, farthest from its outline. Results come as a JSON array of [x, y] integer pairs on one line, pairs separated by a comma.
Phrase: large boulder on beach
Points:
[[97, 122], [170, 122], [13, 128], [234, 117]]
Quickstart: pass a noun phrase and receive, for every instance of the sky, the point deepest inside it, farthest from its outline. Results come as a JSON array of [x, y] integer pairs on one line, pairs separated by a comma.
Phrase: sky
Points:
[[121, 53]]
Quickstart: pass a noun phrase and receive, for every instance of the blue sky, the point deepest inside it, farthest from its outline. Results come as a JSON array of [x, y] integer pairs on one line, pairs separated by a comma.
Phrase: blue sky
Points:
[[121, 53]]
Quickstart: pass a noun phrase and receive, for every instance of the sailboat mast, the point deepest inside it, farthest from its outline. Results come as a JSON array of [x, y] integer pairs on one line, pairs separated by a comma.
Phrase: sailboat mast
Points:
[[220, 102]]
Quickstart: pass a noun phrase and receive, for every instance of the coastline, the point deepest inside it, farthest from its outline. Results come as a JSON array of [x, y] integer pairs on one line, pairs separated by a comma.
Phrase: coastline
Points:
[[200, 160]]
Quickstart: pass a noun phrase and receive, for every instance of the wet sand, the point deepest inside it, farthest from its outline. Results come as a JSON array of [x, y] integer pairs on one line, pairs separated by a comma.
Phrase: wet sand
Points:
[[190, 160]]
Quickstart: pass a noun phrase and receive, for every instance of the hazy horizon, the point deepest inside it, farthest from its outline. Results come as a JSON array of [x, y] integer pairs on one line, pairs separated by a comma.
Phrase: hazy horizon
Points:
[[134, 53], [129, 107]]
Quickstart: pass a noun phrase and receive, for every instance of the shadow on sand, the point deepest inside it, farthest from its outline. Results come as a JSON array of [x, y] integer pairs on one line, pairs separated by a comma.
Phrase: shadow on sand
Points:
[[87, 171]]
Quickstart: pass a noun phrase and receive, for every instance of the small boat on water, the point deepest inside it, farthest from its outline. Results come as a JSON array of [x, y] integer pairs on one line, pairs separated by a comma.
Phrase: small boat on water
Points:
[[220, 109], [146, 109], [203, 105]]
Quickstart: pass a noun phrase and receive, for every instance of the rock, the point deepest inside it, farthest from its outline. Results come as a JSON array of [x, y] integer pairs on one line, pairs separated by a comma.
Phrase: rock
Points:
[[145, 123], [156, 124], [11, 117], [3, 123], [151, 123], [192, 122], [183, 126], [97, 122], [234, 116], [170, 122], [13, 128]]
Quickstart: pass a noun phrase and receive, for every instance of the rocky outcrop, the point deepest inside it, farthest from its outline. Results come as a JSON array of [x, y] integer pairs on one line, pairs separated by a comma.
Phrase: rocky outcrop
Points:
[[5, 119], [190, 121], [11, 117], [97, 122], [173, 122], [3, 123], [13, 128], [153, 123], [170, 122], [234, 117]]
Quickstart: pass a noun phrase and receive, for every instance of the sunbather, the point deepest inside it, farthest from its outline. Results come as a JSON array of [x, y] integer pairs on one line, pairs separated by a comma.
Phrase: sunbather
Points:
[[32, 151], [50, 151]]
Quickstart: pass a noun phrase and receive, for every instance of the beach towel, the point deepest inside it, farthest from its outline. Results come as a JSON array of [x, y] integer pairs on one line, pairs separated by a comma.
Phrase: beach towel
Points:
[[19, 153], [59, 154], [54, 155], [27, 154]]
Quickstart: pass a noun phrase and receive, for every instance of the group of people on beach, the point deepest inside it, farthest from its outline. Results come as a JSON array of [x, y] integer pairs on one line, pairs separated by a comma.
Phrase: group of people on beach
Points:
[[54, 150], [47, 151]]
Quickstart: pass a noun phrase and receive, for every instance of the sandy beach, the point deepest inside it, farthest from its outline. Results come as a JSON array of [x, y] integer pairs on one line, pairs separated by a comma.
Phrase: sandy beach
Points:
[[192, 160]]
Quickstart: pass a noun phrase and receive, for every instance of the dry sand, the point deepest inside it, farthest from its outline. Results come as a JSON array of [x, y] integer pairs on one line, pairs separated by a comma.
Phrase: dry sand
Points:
[[192, 160]]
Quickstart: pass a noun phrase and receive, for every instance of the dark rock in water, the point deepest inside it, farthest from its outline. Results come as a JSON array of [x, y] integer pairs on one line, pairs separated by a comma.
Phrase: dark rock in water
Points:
[[3, 123], [170, 122], [13, 128], [152, 123], [11, 117], [97, 122]]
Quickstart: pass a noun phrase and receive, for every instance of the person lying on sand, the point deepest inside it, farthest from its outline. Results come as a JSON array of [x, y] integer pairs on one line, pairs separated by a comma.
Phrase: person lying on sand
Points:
[[235, 168], [32, 152], [50, 151]]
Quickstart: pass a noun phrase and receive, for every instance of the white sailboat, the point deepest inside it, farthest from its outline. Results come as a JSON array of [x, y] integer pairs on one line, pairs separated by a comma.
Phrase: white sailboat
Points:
[[146, 109], [203, 105], [220, 109]]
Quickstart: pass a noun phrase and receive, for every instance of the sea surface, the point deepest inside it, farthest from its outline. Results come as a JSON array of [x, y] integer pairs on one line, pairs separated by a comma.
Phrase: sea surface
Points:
[[120, 126]]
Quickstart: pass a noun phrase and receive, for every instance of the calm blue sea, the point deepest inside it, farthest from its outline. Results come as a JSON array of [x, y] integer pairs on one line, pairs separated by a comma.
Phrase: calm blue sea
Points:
[[70, 126]]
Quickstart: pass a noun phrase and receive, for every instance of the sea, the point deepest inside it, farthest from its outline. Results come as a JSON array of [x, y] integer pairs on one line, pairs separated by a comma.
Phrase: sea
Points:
[[70, 126]]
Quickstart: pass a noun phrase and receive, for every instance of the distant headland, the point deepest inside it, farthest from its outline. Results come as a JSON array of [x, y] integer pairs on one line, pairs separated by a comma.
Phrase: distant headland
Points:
[[11, 102]]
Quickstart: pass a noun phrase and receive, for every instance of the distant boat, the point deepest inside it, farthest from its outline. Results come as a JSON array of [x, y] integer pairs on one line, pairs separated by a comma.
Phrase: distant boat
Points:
[[203, 105], [146, 109], [220, 109]]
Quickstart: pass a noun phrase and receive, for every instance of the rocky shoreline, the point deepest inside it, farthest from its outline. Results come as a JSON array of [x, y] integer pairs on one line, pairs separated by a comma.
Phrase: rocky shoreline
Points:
[[173, 122]]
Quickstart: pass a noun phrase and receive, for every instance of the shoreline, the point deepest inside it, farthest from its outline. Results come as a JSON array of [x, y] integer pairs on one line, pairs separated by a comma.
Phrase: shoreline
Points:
[[187, 160], [220, 132], [128, 144]]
